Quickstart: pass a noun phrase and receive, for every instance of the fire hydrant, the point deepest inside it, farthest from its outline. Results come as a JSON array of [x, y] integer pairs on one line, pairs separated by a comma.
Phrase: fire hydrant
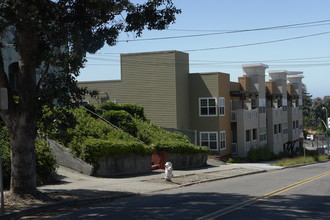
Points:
[[168, 171]]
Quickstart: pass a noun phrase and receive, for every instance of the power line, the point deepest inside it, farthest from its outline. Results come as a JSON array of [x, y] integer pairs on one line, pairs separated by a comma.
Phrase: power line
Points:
[[227, 32], [240, 30], [258, 43]]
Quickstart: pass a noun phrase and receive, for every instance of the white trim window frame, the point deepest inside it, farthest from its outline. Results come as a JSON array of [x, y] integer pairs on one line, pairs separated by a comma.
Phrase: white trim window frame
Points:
[[222, 140], [207, 106], [222, 104], [209, 139]]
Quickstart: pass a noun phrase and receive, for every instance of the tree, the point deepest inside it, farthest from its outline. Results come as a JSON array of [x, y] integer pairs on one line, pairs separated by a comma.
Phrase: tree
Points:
[[52, 39], [307, 105]]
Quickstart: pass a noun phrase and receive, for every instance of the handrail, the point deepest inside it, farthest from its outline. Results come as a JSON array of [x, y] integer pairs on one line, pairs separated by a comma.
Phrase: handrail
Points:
[[112, 125]]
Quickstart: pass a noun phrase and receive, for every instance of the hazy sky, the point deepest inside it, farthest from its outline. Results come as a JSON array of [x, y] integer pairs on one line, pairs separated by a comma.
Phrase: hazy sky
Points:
[[289, 35]]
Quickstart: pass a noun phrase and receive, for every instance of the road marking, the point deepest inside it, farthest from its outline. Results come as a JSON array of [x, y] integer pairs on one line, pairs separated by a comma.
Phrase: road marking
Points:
[[232, 208]]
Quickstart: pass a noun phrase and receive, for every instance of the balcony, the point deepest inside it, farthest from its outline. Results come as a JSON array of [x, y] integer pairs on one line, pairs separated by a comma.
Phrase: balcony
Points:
[[250, 114]]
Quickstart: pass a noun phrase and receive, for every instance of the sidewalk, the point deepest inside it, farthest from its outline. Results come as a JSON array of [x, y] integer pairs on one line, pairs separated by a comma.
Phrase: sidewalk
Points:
[[91, 189]]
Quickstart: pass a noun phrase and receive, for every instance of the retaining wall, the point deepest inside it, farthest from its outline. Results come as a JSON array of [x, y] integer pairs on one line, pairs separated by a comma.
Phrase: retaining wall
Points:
[[124, 165]]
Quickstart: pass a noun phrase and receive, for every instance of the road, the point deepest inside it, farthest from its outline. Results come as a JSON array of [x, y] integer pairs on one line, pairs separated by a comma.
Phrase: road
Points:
[[294, 193]]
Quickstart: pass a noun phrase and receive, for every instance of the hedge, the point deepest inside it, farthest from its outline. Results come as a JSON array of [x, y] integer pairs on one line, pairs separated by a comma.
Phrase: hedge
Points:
[[121, 119], [135, 110], [179, 147]]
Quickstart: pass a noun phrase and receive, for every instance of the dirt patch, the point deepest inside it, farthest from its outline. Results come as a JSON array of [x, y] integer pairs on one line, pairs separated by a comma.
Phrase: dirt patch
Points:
[[13, 202]]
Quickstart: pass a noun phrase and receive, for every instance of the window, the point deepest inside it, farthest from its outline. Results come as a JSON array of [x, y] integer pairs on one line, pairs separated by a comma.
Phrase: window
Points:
[[275, 129], [262, 109], [285, 128], [221, 106], [248, 135], [254, 134], [263, 137], [209, 139], [279, 128], [297, 124], [222, 140], [207, 107]]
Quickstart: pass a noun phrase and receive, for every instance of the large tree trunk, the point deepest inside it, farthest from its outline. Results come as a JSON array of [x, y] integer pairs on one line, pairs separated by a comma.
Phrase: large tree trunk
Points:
[[23, 118], [23, 168]]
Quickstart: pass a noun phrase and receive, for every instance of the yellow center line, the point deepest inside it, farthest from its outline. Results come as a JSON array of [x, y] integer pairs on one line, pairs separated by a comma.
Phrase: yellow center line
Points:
[[232, 208]]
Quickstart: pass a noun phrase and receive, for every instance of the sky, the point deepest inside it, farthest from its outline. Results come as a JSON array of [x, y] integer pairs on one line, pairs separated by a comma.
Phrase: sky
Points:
[[221, 35]]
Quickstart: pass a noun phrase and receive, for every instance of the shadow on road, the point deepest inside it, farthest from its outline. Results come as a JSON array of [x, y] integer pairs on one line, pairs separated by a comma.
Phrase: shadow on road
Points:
[[195, 205]]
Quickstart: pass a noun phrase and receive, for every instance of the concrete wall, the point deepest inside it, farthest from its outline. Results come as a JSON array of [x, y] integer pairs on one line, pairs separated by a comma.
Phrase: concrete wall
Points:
[[186, 161], [65, 158], [124, 165]]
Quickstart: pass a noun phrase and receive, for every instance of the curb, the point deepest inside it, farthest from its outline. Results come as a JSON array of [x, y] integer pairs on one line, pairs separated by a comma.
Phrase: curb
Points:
[[306, 164], [221, 178]]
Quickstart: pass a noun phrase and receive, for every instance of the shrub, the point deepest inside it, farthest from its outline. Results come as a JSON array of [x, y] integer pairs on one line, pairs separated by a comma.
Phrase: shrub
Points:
[[150, 133], [134, 110], [174, 146], [45, 162], [94, 149], [252, 155], [121, 119], [5, 151], [259, 154], [86, 127], [234, 160]]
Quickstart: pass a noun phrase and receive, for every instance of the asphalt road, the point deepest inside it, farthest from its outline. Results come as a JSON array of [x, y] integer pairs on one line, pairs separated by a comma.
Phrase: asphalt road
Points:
[[293, 193]]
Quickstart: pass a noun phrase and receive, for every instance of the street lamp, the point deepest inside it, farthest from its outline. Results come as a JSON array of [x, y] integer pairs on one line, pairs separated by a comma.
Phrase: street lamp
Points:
[[326, 112], [326, 127]]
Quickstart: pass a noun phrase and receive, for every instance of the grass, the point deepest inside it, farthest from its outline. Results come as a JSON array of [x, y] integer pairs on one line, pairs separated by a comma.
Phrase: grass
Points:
[[300, 160]]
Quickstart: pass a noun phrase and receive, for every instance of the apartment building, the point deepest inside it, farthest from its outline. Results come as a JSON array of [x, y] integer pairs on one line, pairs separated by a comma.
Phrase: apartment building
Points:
[[228, 117]]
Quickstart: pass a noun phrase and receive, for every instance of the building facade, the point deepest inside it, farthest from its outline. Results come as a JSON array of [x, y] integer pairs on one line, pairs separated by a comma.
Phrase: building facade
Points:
[[228, 117]]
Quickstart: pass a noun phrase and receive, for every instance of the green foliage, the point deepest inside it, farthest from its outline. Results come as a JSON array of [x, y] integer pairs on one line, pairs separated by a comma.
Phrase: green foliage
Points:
[[134, 110], [259, 154], [86, 127], [234, 160], [159, 138], [300, 160], [5, 151], [45, 161], [94, 149], [54, 123], [93, 139], [121, 119], [175, 146]]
